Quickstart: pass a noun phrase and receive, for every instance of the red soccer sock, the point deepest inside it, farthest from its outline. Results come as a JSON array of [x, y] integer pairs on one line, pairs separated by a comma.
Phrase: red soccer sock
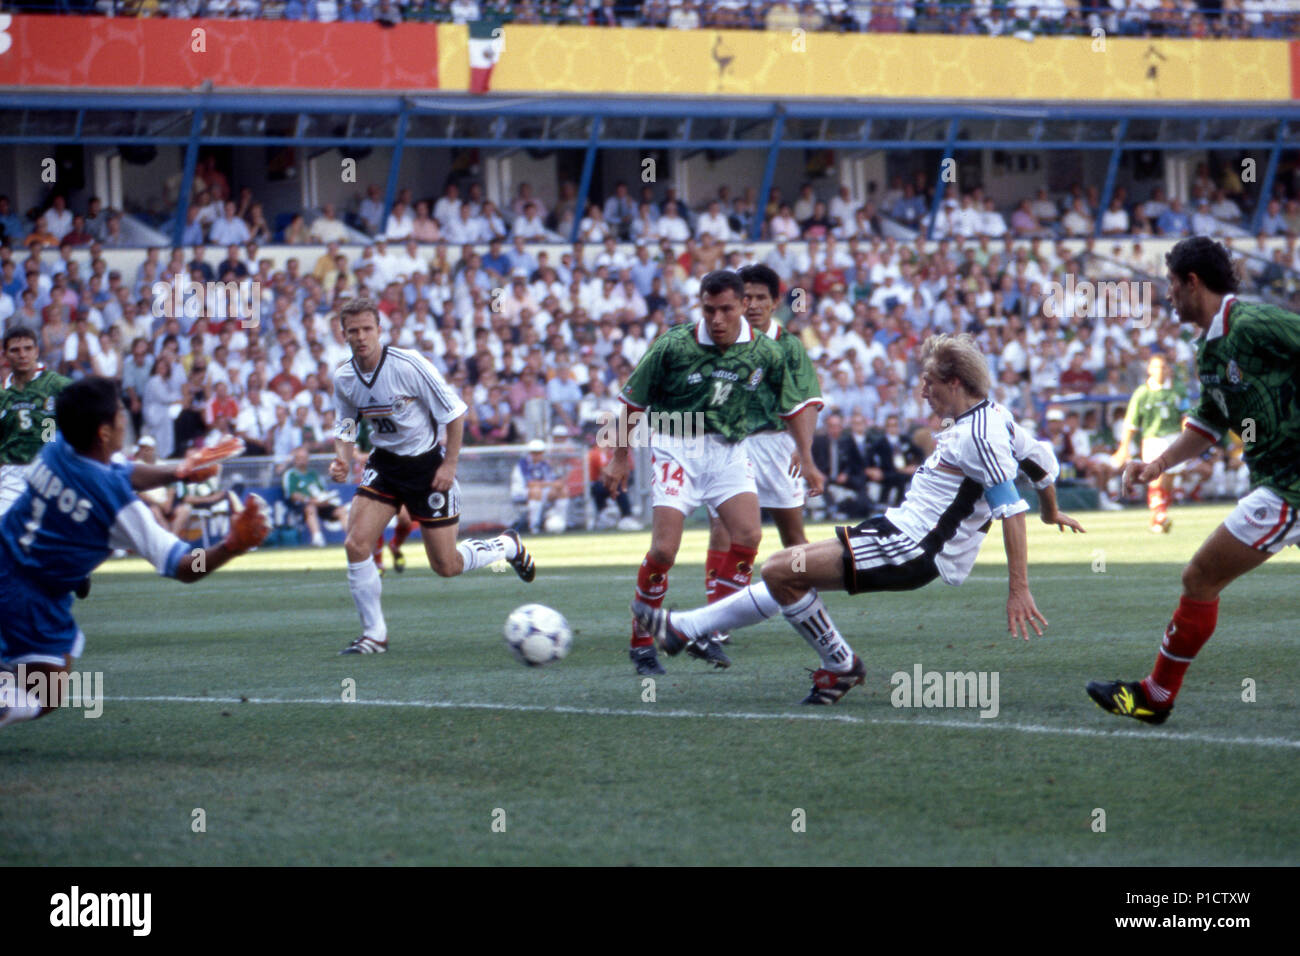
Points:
[[714, 562], [400, 534], [1157, 501], [736, 571], [651, 586], [1191, 627]]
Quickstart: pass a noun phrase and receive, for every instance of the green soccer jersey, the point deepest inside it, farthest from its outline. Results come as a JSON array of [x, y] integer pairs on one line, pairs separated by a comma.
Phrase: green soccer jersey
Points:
[[764, 416], [1154, 412], [301, 483], [684, 375], [1250, 382], [27, 417]]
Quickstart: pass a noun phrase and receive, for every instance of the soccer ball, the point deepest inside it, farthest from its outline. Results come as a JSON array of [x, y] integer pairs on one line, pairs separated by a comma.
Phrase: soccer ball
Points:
[[554, 523], [537, 634]]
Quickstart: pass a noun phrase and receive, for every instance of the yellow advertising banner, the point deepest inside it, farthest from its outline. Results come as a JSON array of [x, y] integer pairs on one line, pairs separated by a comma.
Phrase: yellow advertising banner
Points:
[[779, 64]]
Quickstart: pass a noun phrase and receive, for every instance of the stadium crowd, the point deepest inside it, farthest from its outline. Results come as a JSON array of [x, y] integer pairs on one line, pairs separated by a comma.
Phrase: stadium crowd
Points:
[[540, 338], [1272, 19]]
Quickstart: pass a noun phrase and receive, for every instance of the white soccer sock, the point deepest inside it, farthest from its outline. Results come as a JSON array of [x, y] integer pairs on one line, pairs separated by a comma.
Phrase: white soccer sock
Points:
[[19, 704], [535, 514], [808, 616], [363, 581], [742, 609], [480, 554]]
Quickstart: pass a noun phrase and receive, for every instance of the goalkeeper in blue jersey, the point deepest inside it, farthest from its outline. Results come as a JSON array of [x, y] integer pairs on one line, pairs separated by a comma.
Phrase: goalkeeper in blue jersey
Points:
[[76, 508]]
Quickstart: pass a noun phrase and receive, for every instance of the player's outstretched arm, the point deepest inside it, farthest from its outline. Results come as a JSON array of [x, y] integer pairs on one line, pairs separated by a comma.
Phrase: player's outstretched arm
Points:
[[1190, 444], [1051, 514], [248, 529], [199, 464], [1022, 612]]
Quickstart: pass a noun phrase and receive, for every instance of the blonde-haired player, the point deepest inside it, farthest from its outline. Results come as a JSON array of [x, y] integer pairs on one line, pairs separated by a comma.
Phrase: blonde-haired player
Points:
[[966, 483]]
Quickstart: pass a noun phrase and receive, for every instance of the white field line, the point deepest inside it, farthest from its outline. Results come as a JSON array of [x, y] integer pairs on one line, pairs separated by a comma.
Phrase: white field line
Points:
[[991, 724]]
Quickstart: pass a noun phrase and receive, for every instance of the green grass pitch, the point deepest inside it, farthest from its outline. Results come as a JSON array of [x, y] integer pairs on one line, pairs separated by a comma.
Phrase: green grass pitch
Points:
[[226, 697]]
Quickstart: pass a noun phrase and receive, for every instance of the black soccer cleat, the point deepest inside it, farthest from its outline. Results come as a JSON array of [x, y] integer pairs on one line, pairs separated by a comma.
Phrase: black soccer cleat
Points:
[[365, 645], [657, 622], [646, 660], [829, 686], [522, 562], [708, 649], [399, 560], [1127, 699]]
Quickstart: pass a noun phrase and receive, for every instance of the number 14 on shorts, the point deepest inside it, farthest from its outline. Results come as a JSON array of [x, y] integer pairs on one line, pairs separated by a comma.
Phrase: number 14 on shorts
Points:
[[670, 477]]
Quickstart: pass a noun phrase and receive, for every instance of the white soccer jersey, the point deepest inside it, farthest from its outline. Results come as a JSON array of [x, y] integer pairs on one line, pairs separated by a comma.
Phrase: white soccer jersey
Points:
[[404, 400], [946, 510]]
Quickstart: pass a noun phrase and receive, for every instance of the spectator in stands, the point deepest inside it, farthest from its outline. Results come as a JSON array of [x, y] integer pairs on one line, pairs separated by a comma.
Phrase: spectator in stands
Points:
[[371, 211], [161, 394], [530, 227], [891, 461], [58, 218], [296, 233], [327, 228], [401, 221], [713, 222], [672, 226], [1078, 221], [424, 228], [256, 417], [11, 227], [229, 229], [837, 458], [1115, 221], [1174, 222], [1272, 223]]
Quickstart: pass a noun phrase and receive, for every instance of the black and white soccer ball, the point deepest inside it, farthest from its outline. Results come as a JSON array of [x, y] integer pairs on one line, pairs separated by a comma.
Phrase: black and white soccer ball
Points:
[[537, 634]]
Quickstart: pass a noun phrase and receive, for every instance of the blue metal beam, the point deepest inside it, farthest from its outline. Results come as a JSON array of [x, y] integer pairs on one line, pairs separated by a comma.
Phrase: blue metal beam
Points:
[[584, 187], [1266, 187], [187, 177], [394, 166], [769, 173], [663, 107], [954, 125], [1112, 169]]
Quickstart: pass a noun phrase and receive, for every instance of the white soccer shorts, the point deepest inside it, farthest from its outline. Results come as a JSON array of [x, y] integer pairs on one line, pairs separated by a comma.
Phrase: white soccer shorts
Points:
[[770, 452], [1153, 448], [1264, 521], [686, 473]]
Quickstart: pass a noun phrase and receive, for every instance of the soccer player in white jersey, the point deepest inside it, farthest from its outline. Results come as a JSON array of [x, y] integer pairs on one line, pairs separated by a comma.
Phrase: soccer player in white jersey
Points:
[[404, 399], [936, 532]]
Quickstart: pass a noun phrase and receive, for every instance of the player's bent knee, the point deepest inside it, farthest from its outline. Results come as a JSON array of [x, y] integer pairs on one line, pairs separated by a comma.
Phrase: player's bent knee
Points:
[[661, 556], [1199, 582], [447, 566], [778, 575]]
